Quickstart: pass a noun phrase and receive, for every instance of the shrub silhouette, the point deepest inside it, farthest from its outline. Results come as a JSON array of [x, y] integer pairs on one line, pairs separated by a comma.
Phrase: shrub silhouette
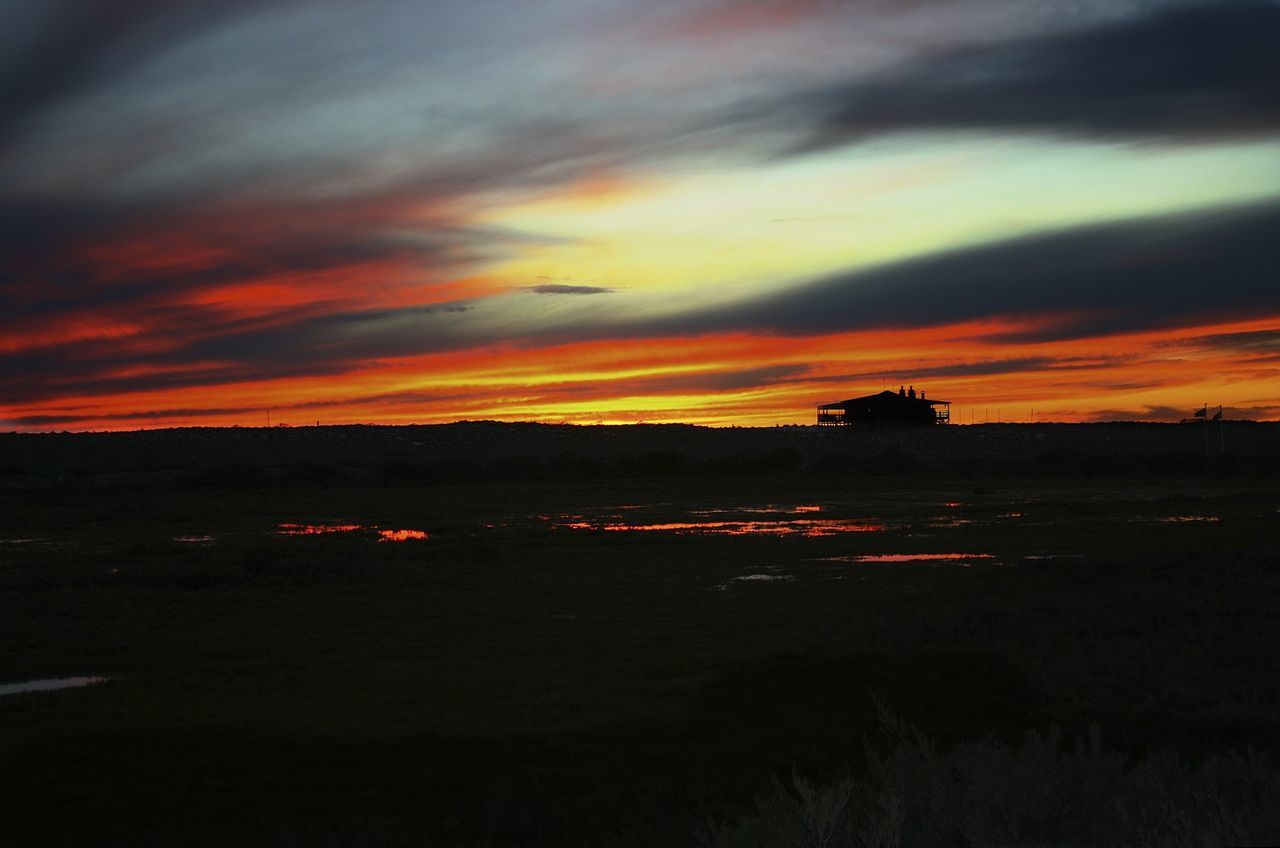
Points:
[[1038, 793]]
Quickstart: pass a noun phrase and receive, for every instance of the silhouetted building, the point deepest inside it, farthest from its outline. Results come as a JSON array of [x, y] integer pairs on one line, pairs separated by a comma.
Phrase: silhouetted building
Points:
[[887, 409]]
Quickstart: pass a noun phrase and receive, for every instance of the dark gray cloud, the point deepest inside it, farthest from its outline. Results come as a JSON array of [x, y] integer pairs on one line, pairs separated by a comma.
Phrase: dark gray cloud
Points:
[[562, 288], [985, 368], [1170, 414], [56, 50], [1264, 343], [1205, 71], [1146, 413]]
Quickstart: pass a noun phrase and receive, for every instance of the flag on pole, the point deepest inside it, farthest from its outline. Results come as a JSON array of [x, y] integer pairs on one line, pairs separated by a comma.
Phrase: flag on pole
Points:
[[1201, 413], [1217, 416]]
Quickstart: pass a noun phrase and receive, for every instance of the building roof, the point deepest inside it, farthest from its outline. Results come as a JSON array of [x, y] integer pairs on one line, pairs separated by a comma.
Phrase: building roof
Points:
[[884, 398]]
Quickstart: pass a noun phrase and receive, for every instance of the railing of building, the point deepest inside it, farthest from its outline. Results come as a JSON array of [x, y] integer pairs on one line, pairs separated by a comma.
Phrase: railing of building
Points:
[[837, 416], [830, 416]]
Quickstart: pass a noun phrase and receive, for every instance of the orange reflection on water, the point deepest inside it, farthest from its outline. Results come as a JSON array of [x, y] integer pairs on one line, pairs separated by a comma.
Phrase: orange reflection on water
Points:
[[754, 510], [797, 527], [944, 522], [401, 535], [318, 529], [330, 529], [908, 557]]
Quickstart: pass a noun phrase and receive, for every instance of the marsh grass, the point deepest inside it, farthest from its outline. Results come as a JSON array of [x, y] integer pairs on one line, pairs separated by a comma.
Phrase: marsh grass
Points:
[[1041, 792], [509, 684]]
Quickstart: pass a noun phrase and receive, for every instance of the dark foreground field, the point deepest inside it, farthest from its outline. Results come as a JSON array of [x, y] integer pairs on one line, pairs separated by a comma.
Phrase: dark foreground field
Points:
[[614, 636]]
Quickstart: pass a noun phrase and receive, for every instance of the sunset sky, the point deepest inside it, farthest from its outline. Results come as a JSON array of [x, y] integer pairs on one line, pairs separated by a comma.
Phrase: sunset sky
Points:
[[710, 211]]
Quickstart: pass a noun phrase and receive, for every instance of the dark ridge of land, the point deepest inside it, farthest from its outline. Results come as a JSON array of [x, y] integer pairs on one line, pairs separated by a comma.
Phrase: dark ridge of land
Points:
[[475, 451]]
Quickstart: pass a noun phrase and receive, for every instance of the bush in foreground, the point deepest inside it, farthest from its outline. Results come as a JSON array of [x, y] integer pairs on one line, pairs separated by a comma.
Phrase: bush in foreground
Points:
[[993, 794]]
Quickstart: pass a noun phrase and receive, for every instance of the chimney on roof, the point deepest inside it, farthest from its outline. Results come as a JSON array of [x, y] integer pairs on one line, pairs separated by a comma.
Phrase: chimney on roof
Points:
[[922, 394], [911, 392], [902, 392]]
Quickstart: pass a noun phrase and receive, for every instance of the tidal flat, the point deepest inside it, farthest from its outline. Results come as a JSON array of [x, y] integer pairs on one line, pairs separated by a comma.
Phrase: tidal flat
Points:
[[603, 658]]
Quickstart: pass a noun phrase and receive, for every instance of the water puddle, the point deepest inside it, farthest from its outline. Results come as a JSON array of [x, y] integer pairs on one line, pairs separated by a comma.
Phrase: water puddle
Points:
[[1053, 556], [336, 529], [865, 558], [51, 685], [23, 541], [810, 527], [1187, 519], [752, 578], [802, 509], [401, 535], [194, 540], [946, 522], [768, 520], [318, 529]]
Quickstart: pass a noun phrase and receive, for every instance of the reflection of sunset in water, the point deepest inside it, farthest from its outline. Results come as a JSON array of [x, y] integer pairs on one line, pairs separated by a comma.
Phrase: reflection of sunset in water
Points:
[[908, 557], [401, 535], [317, 529], [717, 521], [757, 510], [797, 527], [331, 529]]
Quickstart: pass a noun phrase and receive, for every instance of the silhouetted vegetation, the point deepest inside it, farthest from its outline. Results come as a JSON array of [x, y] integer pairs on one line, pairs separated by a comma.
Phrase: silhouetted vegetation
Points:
[[1042, 791]]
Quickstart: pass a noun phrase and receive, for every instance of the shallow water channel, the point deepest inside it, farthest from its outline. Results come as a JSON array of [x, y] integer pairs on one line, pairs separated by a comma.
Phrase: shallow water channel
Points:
[[50, 685]]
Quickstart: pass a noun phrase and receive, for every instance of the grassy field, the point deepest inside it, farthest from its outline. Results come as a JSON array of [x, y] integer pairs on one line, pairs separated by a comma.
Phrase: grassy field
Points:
[[536, 673]]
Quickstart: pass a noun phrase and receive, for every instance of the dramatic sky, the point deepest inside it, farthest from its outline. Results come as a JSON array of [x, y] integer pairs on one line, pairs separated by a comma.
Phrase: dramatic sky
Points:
[[714, 211]]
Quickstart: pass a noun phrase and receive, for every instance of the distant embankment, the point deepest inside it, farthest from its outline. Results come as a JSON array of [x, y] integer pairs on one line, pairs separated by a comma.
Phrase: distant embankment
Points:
[[487, 451]]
